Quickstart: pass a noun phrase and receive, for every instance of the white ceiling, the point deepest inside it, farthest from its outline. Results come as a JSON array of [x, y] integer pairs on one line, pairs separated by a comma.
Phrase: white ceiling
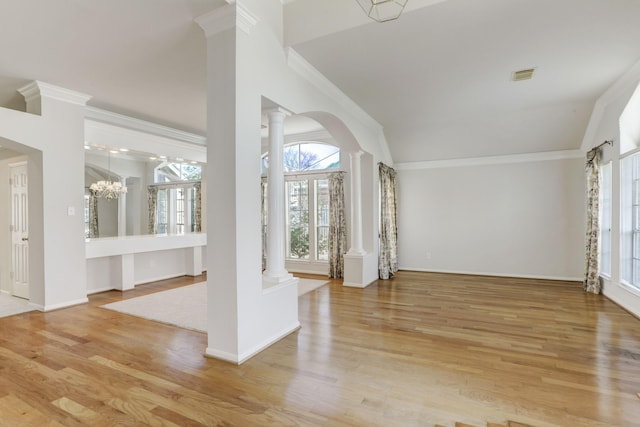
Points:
[[437, 79]]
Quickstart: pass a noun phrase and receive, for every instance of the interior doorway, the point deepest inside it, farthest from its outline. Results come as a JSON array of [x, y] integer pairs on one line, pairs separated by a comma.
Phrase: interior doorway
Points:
[[19, 230]]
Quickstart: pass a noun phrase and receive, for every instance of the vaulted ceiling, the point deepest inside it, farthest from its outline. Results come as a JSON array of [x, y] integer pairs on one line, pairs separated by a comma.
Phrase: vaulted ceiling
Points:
[[438, 79]]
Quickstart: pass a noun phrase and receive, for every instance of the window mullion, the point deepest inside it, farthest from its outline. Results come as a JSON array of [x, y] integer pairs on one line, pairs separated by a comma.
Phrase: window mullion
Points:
[[312, 219]]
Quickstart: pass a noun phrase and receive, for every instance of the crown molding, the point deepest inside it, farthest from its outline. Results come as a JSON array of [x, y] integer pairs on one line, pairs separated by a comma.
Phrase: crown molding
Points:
[[131, 123], [493, 160], [225, 18], [37, 89], [300, 65]]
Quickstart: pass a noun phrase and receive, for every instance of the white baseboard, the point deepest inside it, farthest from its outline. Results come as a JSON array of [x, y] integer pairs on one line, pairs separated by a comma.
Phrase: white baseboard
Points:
[[97, 291], [479, 273], [241, 358], [355, 285]]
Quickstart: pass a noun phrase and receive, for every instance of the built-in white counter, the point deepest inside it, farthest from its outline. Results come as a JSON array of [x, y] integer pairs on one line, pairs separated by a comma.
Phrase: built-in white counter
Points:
[[123, 262]]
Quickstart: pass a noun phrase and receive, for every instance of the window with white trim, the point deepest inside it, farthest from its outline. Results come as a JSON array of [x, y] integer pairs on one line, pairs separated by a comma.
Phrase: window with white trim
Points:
[[307, 199], [176, 200], [630, 226], [605, 219]]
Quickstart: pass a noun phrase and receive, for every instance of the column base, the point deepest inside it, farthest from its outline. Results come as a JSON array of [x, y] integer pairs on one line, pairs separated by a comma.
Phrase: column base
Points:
[[360, 270], [277, 280]]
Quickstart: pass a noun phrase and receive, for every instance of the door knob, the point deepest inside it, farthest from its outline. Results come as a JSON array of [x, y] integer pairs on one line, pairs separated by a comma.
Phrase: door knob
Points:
[[24, 239]]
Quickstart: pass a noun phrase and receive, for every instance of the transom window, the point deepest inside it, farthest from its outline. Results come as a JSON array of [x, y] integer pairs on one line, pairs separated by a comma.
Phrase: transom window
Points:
[[307, 156], [171, 172]]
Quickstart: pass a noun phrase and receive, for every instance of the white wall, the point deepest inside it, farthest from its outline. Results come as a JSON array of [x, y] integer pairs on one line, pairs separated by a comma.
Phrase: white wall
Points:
[[519, 219], [604, 125], [51, 133]]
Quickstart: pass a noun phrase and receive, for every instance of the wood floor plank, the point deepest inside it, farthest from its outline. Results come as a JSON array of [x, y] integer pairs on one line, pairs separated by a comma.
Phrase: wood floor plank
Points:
[[82, 413], [420, 349]]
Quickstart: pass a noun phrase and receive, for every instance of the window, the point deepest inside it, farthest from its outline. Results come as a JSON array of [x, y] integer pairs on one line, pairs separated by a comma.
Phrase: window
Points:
[[605, 219], [87, 233], [297, 219], [307, 199], [171, 172], [307, 225], [630, 182], [322, 219], [177, 195], [162, 215]]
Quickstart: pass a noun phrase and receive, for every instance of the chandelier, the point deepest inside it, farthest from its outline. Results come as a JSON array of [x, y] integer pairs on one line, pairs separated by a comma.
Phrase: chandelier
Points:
[[383, 10], [108, 189]]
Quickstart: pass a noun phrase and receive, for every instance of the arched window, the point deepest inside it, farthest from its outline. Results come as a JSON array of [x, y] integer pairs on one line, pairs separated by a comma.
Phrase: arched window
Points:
[[307, 156]]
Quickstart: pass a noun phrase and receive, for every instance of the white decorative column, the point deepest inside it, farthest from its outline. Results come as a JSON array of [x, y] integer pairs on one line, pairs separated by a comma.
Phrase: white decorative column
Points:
[[356, 205], [358, 264], [276, 272]]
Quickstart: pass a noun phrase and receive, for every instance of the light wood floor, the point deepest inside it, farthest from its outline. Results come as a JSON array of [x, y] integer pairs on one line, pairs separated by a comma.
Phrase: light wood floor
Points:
[[418, 350]]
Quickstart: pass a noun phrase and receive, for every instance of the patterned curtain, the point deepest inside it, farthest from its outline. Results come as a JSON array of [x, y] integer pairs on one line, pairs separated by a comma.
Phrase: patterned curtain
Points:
[[93, 216], [337, 244], [388, 257], [197, 215], [592, 273], [152, 193], [263, 216]]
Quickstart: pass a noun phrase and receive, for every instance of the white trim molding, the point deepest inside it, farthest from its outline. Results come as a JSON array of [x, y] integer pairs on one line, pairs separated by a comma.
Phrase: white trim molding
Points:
[[243, 357], [493, 160], [109, 117], [225, 18], [481, 273], [46, 308], [37, 89]]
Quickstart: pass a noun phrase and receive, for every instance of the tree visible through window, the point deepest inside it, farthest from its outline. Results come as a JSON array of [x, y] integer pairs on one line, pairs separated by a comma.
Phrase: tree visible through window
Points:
[[307, 198]]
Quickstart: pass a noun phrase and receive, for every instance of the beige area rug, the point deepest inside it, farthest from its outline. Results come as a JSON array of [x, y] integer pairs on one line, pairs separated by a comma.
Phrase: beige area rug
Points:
[[186, 306]]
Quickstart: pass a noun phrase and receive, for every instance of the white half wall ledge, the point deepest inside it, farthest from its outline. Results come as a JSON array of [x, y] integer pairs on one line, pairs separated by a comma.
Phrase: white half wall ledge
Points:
[[238, 359], [494, 274], [269, 286]]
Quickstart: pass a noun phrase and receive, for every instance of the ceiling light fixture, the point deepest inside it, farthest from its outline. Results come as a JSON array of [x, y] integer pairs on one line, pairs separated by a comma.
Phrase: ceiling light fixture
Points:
[[383, 10], [108, 189]]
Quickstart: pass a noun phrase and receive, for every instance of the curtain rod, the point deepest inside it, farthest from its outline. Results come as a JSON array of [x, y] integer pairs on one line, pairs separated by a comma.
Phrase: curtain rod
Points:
[[610, 142], [175, 184]]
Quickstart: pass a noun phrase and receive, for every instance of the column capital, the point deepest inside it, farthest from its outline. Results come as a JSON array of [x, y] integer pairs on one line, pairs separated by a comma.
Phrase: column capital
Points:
[[356, 154], [226, 17], [277, 112]]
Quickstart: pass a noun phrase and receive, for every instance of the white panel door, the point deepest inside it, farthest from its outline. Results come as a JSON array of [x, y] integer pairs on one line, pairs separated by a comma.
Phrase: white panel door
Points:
[[19, 231]]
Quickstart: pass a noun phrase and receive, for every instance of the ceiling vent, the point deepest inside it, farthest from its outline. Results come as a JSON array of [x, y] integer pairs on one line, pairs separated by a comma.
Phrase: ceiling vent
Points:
[[520, 75]]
